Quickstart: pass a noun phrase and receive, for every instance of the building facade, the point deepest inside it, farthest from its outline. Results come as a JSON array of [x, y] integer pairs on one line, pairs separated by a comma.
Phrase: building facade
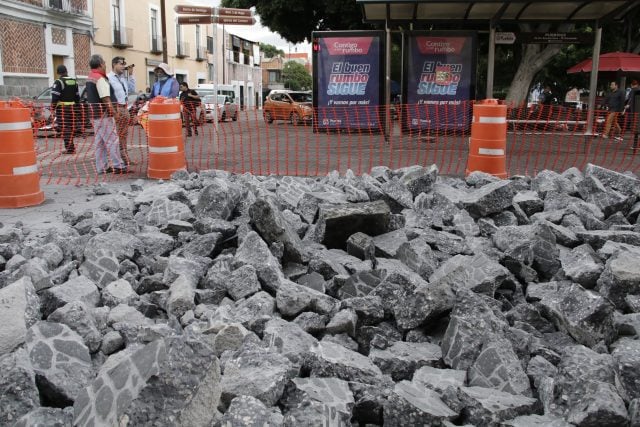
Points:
[[38, 35], [272, 76]]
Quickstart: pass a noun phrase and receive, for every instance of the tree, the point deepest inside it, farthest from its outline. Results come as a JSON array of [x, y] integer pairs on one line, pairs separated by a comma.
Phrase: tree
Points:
[[295, 76], [294, 20], [270, 50]]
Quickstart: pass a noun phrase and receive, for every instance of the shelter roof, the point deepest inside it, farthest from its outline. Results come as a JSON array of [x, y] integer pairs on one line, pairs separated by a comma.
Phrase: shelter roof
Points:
[[483, 11]]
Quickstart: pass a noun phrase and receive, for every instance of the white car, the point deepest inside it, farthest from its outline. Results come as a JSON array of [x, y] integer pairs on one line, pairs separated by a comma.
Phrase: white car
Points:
[[227, 109]]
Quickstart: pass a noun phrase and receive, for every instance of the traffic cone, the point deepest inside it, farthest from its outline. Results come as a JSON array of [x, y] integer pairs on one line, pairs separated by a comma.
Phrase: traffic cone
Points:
[[166, 144], [488, 142], [19, 176]]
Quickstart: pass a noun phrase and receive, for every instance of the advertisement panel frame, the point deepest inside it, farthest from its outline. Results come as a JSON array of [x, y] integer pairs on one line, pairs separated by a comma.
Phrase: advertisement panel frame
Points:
[[407, 58], [316, 36]]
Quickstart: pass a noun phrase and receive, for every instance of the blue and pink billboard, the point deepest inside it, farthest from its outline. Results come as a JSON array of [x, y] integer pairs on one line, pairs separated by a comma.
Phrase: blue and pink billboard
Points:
[[348, 88], [440, 80]]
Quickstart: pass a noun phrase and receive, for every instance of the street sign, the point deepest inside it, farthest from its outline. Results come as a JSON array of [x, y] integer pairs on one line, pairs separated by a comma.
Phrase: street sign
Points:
[[228, 11], [557, 37], [194, 10], [198, 19], [234, 20], [505, 37]]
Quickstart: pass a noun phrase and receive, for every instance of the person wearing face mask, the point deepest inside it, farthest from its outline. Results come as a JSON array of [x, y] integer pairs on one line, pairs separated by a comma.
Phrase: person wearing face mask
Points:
[[166, 85]]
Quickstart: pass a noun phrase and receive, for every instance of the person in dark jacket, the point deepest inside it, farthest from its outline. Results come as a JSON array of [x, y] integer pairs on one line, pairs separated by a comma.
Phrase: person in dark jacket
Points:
[[633, 111], [615, 105], [547, 101], [65, 96], [190, 101]]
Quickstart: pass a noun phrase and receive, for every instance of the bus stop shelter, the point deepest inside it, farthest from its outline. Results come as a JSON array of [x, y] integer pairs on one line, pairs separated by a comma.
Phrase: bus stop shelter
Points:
[[487, 15]]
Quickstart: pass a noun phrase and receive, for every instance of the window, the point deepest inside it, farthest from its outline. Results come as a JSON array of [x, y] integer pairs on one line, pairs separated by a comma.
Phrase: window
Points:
[[178, 34], [116, 14], [198, 37], [274, 76], [210, 44], [155, 38]]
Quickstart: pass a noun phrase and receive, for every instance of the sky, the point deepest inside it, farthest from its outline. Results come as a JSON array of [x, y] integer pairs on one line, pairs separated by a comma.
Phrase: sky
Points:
[[257, 32]]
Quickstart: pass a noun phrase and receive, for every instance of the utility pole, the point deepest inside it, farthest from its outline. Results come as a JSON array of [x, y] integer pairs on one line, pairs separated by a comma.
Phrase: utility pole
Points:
[[163, 19]]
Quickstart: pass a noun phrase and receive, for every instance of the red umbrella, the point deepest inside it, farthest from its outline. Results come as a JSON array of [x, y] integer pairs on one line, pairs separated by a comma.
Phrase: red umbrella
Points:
[[614, 61]]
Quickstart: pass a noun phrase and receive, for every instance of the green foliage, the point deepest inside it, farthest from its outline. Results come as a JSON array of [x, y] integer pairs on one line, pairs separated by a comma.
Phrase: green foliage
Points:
[[294, 20], [270, 50], [295, 76]]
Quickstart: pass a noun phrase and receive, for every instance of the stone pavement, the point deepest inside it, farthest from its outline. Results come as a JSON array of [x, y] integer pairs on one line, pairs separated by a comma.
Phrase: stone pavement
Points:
[[74, 198]]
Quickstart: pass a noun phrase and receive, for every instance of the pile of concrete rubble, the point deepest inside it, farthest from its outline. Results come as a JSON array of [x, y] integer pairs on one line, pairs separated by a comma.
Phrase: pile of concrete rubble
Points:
[[396, 298]]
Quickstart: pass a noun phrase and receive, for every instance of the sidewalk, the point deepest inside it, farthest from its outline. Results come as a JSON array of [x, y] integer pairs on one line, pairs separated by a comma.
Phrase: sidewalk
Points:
[[60, 197]]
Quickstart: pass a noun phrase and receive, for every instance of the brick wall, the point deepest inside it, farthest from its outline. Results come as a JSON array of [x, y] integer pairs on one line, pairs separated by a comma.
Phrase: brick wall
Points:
[[33, 2], [79, 4], [23, 48], [81, 53]]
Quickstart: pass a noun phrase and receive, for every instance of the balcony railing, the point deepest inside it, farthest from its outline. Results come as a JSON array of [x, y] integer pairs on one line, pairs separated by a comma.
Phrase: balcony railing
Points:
[[122, 37], [182, 50], [156, 44], [78, 7], [201, 53]]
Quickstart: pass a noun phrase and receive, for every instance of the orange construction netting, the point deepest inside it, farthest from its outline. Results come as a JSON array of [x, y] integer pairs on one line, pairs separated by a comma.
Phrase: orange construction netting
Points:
[[553, 137]]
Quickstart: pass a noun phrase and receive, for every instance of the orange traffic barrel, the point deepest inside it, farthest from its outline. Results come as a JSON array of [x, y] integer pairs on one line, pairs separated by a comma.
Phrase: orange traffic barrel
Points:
[[488, 142], [19, 176], [166, 146]]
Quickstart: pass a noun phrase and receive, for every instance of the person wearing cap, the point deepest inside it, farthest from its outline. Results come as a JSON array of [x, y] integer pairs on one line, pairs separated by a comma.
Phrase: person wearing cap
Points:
[[64, 97], [122, 84], [166, 85], [101, 97]]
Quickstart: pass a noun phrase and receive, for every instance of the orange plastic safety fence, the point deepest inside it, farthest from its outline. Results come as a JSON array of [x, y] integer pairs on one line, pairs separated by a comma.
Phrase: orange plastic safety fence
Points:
[[273, 142]]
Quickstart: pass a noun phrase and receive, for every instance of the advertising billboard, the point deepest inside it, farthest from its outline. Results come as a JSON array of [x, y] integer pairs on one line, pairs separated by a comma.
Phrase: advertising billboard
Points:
[[439, 81], [348, 84]]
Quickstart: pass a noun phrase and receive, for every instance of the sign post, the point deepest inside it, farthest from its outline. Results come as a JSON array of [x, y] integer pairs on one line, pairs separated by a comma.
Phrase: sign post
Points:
[[228, 11], [505, 37], [197, 19], [214, 15], [193, 10], [234, 20]]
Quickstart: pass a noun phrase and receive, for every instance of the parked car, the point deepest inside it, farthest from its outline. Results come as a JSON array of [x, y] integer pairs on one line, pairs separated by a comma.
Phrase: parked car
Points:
[[44, 119], [293, 106], [227, 109]]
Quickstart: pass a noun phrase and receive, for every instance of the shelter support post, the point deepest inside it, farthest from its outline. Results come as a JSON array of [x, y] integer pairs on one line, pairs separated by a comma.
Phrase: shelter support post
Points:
[[593, 81], [387, 82], [491, 60]]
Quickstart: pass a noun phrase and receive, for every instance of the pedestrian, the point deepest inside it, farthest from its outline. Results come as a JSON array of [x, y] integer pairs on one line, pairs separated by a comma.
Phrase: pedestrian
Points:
[[633, 111], [547, 99], [65, 96], [101, 96], [123, 84], [572, 97], [190, 101], [615, 105], [166, 85]]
